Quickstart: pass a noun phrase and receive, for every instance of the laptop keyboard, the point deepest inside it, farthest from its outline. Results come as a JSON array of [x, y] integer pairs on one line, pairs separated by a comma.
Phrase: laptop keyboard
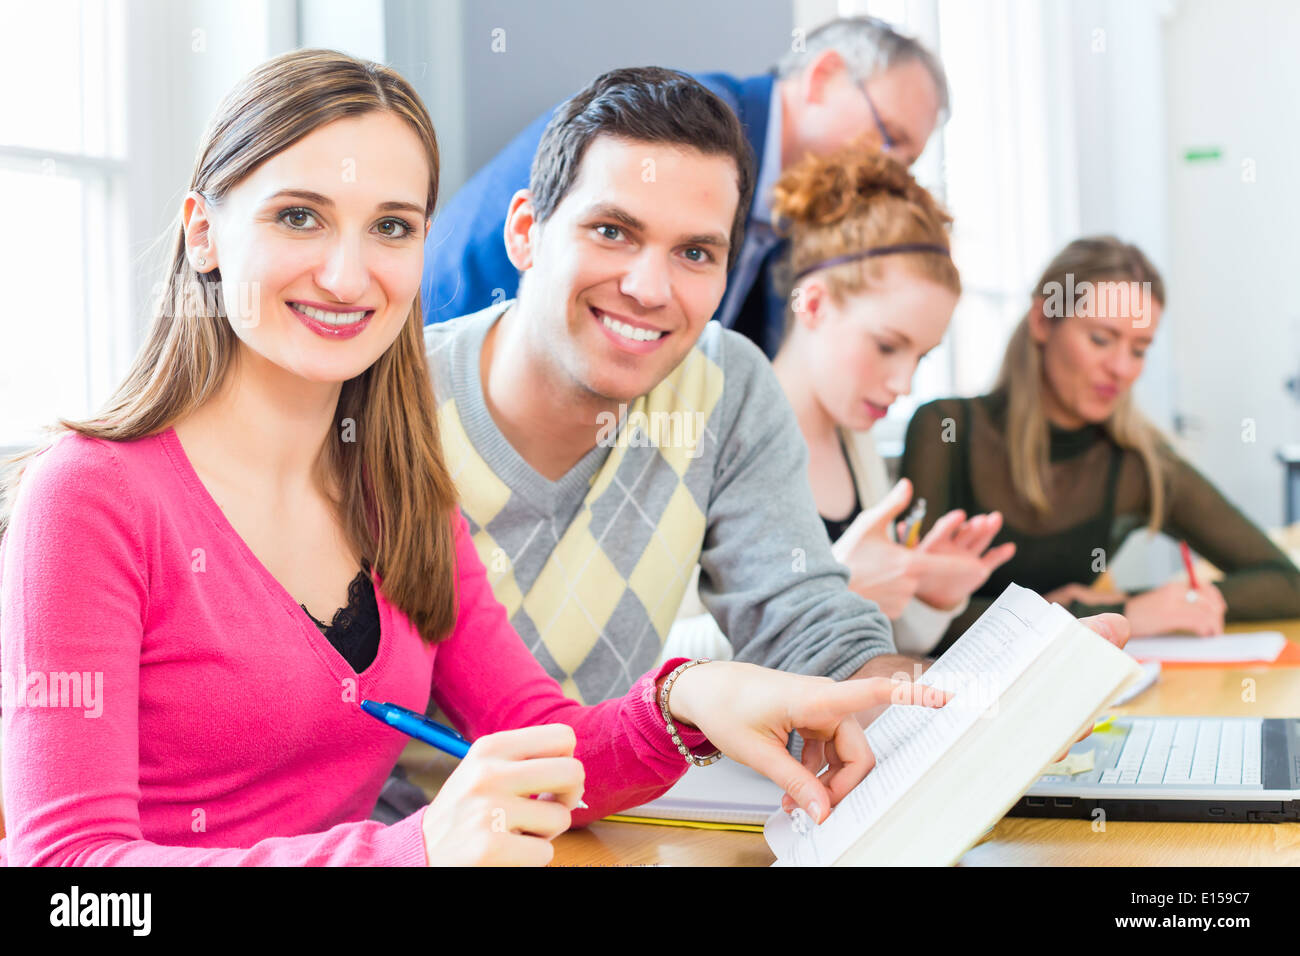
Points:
[[1191, 752]]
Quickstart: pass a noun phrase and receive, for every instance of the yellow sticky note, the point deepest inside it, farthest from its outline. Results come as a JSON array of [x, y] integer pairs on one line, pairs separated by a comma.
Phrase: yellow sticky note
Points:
[[1072, 764]]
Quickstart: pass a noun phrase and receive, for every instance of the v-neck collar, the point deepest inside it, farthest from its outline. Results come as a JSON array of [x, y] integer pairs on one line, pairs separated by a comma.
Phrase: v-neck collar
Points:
[[328, 654], [488, 439]]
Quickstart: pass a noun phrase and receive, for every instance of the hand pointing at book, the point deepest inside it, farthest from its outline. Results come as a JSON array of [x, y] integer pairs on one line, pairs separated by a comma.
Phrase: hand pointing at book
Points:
[[749, 712]]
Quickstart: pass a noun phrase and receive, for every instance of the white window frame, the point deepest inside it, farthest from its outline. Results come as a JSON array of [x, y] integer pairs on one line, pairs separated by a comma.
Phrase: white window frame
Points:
[[104, 221]]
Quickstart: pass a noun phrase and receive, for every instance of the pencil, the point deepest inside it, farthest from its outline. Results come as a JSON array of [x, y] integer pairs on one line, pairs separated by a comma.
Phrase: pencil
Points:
[[912, 524], [1187, 562]]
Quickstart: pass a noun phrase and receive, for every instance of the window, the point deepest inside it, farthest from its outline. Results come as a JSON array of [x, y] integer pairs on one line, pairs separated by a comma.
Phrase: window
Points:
[[1001, 165], [62, 186]]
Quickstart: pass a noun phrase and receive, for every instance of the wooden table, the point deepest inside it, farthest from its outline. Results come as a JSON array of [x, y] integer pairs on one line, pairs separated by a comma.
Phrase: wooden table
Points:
[[1014, 841], [1019, 841]]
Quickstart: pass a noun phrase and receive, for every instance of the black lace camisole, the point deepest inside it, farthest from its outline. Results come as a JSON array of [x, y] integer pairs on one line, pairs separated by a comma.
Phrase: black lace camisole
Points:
[[354, 631]]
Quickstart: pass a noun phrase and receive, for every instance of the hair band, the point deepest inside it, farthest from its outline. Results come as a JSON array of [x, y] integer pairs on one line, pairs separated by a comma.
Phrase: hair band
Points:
[[872, 253]]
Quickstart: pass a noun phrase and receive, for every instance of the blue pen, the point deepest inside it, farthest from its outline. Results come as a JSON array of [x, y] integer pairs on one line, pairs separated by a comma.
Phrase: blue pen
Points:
[[419, 727], [430, 731]]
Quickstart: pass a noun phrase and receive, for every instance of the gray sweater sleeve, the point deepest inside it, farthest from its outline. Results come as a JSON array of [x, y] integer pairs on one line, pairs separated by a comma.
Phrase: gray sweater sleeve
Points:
[[766, 571]]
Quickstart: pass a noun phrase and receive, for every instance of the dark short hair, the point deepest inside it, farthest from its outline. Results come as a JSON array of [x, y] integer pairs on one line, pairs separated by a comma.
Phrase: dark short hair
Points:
[[646, 104]]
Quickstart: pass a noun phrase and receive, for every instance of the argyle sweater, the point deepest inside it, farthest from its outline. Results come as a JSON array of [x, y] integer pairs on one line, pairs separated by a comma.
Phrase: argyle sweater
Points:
[[708, 467]]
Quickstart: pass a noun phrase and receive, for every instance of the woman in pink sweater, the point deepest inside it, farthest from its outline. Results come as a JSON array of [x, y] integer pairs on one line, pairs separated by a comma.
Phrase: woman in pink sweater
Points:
[[178, 688]]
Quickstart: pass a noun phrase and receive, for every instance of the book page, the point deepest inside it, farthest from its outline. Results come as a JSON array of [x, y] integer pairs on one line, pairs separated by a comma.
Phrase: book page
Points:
[[908, 741]]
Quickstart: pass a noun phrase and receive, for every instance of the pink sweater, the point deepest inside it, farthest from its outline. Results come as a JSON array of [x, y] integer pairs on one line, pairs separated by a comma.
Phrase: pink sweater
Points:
[[212, 722]]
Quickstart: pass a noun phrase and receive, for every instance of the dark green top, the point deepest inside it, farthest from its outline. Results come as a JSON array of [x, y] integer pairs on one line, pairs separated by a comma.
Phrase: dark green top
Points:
[[956, 457]]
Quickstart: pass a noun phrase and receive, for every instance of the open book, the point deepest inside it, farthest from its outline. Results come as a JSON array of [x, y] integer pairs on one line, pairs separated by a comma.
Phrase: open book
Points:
[[1027, 678]]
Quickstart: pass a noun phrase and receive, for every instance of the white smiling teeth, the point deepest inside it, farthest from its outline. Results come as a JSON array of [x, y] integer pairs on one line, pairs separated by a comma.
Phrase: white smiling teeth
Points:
[[331, 318], [630, 331]]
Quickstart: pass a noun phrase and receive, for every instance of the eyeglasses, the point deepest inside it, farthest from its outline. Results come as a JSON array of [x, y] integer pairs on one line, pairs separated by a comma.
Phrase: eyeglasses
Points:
[[886, 141]]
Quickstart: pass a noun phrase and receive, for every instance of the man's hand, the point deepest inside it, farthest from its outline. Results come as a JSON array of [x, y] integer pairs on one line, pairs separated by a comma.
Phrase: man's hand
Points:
[[1113, 627], [897, 665], [1083, 594]]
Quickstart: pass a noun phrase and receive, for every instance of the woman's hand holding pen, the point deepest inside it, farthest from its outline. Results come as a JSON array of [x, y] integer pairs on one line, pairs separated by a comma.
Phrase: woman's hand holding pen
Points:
[[748, 712], [1171, 607], [485, 815]]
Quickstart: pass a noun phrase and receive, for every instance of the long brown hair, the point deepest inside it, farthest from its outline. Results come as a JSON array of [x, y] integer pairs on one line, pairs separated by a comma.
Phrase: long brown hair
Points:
[[1089, 260], [852, 201], [395, 499]]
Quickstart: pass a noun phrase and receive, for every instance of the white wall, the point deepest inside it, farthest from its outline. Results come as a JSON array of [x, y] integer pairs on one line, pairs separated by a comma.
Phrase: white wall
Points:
[[1121, 147], [521, 58], [1233, 84], [183, 56], [350, 26], [1119, 152]]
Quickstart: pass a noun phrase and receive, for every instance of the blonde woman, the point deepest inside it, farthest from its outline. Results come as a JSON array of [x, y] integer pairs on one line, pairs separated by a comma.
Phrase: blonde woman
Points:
[[1060, 448], [257, 532]]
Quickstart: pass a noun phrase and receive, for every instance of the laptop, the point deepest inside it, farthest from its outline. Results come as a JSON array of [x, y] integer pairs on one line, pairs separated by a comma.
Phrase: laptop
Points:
[[1203, 769]]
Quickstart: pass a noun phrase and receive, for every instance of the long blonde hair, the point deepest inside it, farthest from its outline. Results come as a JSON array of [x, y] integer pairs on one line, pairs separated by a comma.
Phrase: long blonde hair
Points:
[[395, 499], [852, 201], [1090, 260]]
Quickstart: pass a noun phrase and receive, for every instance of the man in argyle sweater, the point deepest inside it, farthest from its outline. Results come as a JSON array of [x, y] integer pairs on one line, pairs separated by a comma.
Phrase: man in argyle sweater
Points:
[[590, 533]]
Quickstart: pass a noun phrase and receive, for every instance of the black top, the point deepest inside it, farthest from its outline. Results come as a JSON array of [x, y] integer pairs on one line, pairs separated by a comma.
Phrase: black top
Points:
[[836, 528], [354, 632], [956, 457]]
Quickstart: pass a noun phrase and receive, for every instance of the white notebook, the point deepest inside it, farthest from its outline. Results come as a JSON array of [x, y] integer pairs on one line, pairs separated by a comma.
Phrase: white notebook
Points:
[[1028, 677], [1220, 649], [724, 792]]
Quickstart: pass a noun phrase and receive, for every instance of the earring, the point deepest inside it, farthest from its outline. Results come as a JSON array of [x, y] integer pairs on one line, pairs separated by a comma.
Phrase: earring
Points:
[[202, 261]]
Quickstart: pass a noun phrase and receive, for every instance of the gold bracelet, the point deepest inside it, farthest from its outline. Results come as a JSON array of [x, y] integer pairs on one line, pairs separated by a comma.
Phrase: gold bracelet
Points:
[[668, 719]]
